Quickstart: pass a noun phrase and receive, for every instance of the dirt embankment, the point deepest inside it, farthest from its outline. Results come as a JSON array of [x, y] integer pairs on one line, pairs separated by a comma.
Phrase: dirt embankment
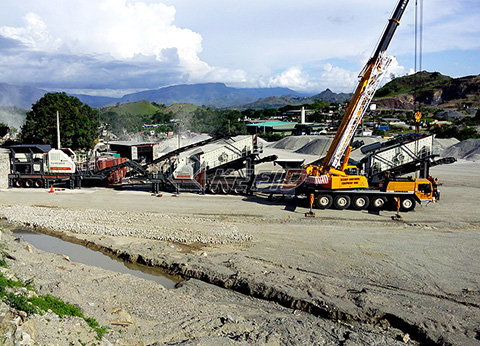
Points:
[[141, 312]]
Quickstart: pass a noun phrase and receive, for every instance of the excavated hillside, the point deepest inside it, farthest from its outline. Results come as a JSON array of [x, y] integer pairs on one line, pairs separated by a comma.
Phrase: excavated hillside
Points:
[[430, 89]]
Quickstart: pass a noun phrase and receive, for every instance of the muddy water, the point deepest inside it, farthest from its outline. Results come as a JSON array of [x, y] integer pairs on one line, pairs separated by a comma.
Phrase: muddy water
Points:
[[81, 254]]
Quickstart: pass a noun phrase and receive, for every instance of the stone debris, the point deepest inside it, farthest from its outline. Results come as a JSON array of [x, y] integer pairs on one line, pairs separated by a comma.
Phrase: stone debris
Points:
[[180, 229]]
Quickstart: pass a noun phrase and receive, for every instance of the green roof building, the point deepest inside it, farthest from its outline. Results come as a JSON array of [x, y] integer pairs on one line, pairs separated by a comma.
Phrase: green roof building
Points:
[[283, 127]]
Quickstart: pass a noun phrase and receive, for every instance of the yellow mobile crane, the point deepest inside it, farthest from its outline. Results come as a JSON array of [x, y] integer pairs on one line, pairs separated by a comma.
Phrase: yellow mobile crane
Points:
[[336, 183]]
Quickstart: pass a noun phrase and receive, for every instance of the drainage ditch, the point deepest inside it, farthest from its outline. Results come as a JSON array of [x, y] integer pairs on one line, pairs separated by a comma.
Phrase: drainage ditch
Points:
[[81, 254]]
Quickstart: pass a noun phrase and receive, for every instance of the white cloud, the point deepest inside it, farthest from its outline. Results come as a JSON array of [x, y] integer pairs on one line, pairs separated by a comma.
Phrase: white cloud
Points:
[[297, 78], [143, 44], [111, 30], [294, 77], [34, 34]]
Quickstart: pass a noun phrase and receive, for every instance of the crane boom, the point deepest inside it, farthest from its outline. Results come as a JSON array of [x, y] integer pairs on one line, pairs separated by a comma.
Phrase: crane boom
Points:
[[369, 81]]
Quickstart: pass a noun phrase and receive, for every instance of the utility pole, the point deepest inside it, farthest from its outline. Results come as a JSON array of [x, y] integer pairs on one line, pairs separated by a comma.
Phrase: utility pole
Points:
[[58, 132]]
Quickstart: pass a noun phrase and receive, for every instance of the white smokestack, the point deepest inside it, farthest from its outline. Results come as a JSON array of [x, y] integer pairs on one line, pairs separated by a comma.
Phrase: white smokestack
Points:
[[302, 116]]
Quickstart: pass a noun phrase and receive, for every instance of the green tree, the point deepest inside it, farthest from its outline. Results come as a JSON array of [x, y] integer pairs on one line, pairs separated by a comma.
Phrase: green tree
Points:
[[477, 115], [217, 122], [78, 122], [3, 129]]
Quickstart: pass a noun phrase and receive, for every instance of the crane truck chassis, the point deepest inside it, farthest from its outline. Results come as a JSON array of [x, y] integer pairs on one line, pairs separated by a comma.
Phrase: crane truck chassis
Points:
[[407, 191]]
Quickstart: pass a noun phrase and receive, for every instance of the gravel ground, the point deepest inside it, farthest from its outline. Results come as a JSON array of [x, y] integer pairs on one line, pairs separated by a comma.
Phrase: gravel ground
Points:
[[342, 278], [141, 312], [181, 229]]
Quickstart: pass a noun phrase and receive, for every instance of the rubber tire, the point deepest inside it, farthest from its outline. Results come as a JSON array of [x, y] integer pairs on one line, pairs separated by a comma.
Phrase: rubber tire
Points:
[[38, 183], [28, 183], [407, 204], [342, 202], [214, 189], [378, 203], [239, 189], [224, 188], [18, 183], [323, 201], [360, 202]]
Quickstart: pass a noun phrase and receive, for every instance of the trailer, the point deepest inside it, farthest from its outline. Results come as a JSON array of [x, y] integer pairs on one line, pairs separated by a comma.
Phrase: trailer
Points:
[[215, 165], [40, 166], [226, 165]]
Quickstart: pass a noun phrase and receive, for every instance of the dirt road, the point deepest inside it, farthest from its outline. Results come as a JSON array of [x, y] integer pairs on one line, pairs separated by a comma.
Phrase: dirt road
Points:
[[379, 278]]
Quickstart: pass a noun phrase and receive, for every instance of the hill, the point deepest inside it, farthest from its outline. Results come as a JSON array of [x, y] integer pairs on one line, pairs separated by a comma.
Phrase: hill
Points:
[[330, 96], [216, 95], [431, 89], [209, 94], [278, 102], [19, 96], [132, 108], [96, 101]]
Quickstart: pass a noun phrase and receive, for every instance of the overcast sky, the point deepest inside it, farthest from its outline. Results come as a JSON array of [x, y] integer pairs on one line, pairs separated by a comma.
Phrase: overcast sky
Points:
[[111, 47]]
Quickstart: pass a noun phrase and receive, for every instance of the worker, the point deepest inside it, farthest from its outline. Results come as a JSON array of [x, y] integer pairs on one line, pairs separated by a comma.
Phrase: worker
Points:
[[434, 182], [436, 193]]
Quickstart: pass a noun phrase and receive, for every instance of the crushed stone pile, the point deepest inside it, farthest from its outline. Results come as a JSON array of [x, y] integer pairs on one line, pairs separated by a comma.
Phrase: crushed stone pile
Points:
[[441, 144], [318, 146], [292, 143], [466, 150], [180, 229]]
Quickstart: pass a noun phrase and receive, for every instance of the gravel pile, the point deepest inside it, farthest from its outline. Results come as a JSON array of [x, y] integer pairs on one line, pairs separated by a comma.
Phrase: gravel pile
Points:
[[318, 145], [181, 229], [467, 150], [292, 142]]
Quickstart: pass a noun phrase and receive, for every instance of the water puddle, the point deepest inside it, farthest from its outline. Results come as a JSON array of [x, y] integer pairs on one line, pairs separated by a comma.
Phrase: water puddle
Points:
[[82, 254]]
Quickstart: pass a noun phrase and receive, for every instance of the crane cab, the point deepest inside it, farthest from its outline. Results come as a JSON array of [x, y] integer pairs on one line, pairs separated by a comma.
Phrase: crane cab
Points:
[[352, 170]]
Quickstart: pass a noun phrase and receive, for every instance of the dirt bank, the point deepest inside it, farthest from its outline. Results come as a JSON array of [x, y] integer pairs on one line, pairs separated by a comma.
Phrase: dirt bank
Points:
[[381, 279], [141, 312]]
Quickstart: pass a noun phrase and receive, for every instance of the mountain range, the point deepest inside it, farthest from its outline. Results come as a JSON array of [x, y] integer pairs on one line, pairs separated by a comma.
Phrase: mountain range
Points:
[[430, 89], [216, 95]]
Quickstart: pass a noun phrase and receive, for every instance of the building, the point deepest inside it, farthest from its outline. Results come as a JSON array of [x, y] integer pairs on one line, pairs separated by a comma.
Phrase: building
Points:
[[282, 127], [311, 129], [142, 151]]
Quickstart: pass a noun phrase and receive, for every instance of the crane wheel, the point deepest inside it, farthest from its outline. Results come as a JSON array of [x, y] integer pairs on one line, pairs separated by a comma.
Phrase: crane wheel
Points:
[[38, 183], [360, 202], [378, 202], [407, 204], [323, 201], [28, 183], [342, 202], [18, 183]]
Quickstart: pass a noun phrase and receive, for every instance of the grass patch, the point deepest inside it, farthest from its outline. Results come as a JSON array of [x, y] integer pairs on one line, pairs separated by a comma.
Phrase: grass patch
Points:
[[3, 261], [39, 304], [57, 306]]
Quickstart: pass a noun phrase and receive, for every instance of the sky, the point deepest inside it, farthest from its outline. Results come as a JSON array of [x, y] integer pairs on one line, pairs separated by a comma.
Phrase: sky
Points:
[[113, 47]]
